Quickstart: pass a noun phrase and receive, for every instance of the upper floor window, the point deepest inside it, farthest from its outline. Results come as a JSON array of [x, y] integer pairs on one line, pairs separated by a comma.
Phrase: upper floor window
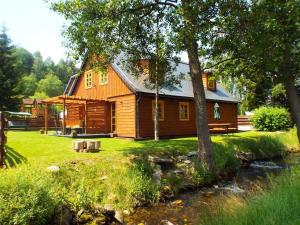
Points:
[[88, 79], [184, 111], [161, 110], [103, 77], [211, 84]]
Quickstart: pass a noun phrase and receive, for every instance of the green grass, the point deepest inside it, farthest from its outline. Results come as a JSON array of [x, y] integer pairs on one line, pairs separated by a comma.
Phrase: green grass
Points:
[[119, 174], [34, 148], [280, 205]]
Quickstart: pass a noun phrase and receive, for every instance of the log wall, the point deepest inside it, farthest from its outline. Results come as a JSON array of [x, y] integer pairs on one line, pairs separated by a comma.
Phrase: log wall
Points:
[[172, 126]]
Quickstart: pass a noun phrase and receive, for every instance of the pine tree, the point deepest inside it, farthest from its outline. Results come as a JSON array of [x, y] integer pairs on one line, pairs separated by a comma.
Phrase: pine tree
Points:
[[8, 74]]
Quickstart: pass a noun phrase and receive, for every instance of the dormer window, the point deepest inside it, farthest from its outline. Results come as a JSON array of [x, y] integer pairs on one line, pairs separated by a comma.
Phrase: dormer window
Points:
[[209, 81], [211, 84]]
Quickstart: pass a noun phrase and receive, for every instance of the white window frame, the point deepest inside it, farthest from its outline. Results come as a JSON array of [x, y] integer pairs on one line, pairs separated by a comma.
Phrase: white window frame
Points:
[[86, 74], [101, 73]]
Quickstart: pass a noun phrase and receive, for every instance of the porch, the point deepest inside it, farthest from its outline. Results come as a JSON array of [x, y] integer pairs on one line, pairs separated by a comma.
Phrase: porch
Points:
[[86, 117]]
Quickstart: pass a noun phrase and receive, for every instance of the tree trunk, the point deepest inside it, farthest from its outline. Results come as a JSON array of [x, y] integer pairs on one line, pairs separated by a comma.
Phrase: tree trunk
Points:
[[2, 139], [156, 114], [205, 147], [294, 104]]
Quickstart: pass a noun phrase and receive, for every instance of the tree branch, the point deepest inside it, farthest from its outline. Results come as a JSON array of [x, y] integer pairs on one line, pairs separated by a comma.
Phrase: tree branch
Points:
[[220, 62]]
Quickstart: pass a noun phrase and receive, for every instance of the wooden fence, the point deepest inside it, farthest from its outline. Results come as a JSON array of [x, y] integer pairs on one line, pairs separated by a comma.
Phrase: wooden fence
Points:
[[2, 139]]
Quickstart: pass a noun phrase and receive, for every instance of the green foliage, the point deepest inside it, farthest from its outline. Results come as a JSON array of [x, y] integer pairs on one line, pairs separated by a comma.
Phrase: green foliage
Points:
[[64, 69], [279, 205], [117, 175], [50, 85], [27, 85], [9, 75], [39, 95], [24, 60], [224, 158], [27, 197], [278, 96], [271, 119]]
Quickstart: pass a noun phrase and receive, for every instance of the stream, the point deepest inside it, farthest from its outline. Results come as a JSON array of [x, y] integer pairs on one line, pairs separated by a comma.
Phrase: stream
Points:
[[187, 208]]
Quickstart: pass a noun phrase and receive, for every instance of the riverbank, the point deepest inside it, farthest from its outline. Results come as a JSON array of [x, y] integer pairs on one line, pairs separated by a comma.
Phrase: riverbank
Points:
[[279, 205], [124, 175]]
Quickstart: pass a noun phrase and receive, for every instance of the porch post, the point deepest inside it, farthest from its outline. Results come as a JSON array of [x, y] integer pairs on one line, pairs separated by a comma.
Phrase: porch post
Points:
[[64, 117], [85, 117], [105, 116], [46, 118]]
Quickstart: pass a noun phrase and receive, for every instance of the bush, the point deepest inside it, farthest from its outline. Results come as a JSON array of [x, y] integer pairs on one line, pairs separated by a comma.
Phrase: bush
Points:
[[271, 119], [25, 198]]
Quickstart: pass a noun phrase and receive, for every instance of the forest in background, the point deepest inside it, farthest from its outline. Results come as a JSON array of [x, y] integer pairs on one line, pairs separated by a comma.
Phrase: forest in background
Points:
[[27, 75]]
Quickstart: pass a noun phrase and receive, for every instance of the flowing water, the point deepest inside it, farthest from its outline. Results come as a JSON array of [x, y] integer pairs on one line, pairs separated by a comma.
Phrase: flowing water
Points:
[[187, 208]]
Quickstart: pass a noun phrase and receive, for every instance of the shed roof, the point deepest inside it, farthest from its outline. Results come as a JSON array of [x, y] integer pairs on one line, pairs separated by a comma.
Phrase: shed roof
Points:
[[28, 101]]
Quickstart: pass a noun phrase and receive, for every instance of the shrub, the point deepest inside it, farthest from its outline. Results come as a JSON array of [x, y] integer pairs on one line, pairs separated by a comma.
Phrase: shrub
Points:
[[271, 119], [25, 198]]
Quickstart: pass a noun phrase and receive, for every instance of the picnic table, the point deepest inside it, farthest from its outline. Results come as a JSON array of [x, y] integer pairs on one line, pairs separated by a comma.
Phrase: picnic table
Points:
[[225, 126]]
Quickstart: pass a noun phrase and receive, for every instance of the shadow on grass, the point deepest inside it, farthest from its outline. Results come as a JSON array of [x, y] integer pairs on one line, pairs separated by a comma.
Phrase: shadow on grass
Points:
[[13, 158]]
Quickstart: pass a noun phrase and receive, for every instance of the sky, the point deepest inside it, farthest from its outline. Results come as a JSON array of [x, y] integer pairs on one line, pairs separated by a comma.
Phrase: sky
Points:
[[32, 25]]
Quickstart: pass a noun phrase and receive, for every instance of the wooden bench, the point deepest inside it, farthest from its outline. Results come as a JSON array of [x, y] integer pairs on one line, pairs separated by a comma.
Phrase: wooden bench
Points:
[[224, 126]]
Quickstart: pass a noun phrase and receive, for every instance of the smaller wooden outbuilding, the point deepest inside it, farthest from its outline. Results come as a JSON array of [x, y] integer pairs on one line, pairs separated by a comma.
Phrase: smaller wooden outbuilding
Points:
[[83, 114]]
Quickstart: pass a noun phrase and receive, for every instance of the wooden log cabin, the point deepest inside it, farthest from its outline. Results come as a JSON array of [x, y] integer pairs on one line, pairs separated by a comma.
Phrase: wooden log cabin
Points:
[[32, 106], [125, 107]]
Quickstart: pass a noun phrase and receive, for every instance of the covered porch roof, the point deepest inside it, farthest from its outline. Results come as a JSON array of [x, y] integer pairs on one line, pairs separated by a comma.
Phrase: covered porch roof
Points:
[[65, 99]]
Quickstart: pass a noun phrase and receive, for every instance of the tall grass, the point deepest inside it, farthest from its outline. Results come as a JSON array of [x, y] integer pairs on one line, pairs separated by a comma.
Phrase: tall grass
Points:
[[280, 205]]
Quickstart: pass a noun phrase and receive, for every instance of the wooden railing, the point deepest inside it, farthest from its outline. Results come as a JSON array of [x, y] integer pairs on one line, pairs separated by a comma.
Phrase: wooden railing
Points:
[[2, 139]]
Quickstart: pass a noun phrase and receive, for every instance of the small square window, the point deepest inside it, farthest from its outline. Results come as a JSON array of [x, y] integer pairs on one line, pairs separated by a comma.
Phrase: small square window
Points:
[[103, 77], [88, 79], [161, 110], [184, 111]]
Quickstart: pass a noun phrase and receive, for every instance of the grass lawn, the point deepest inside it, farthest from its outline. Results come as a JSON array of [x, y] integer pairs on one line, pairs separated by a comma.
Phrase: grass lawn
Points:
[[119, 174], [32, 147]]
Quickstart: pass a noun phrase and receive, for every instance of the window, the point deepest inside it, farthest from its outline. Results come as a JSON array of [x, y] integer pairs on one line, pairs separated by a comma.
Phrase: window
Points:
[[211, 85], [161, 110], [88, 79], [184, 111], [103, 77]]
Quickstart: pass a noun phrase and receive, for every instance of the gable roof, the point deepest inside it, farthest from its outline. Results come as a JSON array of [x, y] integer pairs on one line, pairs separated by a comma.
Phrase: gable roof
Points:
[[185, 90], [28, 101]]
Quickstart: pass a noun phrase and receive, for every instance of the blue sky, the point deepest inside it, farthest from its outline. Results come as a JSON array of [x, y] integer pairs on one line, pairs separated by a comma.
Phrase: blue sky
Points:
[[32, 25]]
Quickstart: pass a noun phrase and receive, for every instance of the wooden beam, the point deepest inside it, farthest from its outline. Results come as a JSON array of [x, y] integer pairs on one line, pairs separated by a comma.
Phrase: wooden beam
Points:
[[85, 117], [2, 139], [64, 117], [46, 119]]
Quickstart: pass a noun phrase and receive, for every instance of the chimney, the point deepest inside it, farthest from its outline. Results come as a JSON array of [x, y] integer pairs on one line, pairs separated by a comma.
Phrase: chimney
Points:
[[209, 81]]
